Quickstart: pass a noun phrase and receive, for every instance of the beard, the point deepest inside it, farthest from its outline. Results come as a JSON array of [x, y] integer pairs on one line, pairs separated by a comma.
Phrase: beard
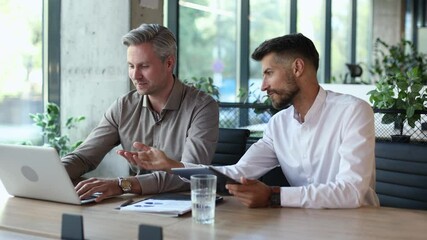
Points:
[[141, 86], [283, 98]]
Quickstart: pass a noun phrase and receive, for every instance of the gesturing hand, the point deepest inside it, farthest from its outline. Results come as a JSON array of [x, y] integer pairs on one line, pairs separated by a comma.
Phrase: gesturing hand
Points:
[[149, 158]]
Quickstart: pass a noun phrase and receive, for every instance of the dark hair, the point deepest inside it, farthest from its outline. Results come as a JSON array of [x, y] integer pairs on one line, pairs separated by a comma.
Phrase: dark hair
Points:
[[289, 46]]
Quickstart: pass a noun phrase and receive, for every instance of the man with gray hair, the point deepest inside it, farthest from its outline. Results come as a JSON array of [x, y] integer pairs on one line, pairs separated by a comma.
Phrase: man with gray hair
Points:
[[162, 124]]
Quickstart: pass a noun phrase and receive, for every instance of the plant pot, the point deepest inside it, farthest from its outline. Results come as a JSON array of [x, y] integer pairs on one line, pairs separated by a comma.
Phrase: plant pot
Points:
[[401, 138]]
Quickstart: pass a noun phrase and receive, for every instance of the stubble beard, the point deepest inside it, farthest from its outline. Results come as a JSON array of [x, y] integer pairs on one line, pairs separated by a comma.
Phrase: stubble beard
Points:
[[143, 90], [284, 98]]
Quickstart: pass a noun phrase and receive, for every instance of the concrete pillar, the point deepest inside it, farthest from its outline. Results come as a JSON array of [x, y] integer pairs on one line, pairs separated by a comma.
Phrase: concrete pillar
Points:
[[93, 65], [388, 21], [141, 12]]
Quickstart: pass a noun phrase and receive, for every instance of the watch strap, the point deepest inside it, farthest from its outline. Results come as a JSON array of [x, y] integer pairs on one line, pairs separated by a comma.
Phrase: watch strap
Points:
[[275, 200]]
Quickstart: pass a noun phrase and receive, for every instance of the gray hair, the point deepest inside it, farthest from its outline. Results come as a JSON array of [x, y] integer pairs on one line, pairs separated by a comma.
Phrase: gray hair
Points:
[[163, 40]]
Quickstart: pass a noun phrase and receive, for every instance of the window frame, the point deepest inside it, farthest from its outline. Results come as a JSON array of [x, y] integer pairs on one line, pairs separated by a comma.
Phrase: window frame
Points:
[[51, 52]]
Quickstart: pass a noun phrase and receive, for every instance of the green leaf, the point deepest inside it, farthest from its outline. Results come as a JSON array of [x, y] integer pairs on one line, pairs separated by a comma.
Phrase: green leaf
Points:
[[51, 130], [372, 92], [410, 111], [411, 122], [388, 118], [416, 88], [402, 84]]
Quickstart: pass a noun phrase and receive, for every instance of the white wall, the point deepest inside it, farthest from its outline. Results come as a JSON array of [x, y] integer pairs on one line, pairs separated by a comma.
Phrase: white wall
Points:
[[357, 90]]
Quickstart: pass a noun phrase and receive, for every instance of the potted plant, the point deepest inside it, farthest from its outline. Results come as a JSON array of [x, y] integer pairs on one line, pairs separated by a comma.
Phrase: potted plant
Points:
[[399, 92], [205, 84], [261, 103], [51, 129]]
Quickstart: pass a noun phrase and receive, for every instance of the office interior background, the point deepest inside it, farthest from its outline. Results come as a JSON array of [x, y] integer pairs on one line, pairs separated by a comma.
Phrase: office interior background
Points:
[[69, 52]]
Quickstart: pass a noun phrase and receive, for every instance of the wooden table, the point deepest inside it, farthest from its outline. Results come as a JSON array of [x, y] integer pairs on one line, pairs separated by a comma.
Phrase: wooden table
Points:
[[22, 218]]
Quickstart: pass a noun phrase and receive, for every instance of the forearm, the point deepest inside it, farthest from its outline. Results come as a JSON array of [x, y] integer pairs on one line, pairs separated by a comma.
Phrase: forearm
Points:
[[158, 182], [135, 185], [332, 195], [91, 152], [256, 161], [74, 166]]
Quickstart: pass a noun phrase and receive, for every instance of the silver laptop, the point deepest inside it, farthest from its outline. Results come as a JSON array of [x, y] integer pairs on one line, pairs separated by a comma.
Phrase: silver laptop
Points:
[[36, 172]]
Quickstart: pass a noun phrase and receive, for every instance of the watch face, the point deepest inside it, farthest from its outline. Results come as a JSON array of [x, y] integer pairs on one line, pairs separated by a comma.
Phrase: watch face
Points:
[[126, 185]]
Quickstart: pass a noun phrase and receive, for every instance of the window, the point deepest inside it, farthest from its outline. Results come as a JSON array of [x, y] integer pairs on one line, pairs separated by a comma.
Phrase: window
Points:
[[267, 19], [340, 29], [311, 23], [340, 40], [207, 43], [21, 75], [364, 36]]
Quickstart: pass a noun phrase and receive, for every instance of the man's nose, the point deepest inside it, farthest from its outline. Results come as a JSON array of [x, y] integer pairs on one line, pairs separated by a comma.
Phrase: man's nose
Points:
[[264, 85], [135, 74]]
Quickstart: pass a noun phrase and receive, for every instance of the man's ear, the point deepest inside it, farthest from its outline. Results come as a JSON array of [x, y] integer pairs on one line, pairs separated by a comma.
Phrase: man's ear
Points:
[[170, 62], [298, 67]]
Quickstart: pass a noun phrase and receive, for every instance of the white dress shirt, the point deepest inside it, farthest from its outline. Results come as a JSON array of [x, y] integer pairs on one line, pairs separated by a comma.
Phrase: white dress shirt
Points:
[[328, 159]]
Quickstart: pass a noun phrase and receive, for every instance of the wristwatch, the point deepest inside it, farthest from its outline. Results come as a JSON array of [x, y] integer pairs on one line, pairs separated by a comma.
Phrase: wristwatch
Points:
[[125, 185], [275, 197]]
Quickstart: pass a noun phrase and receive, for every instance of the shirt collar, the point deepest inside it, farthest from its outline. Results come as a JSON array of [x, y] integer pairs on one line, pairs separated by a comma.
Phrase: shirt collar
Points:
[[317, 105], [315, 108], [174, 99]]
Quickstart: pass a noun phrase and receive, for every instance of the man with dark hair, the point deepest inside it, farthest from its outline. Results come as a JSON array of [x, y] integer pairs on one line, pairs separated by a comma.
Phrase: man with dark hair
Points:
[[161, 125], [324, 142]]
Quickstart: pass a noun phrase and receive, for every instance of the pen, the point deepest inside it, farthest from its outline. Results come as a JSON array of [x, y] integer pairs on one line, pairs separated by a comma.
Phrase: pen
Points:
[[127, 202]]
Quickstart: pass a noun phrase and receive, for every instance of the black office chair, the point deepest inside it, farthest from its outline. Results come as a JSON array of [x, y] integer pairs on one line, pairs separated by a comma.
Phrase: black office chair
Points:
[[231, 146], [355, 70], [401, 175]]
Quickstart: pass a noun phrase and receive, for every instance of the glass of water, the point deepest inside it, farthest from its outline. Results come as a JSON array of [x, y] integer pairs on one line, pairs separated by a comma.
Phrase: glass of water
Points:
[[203, 194]]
